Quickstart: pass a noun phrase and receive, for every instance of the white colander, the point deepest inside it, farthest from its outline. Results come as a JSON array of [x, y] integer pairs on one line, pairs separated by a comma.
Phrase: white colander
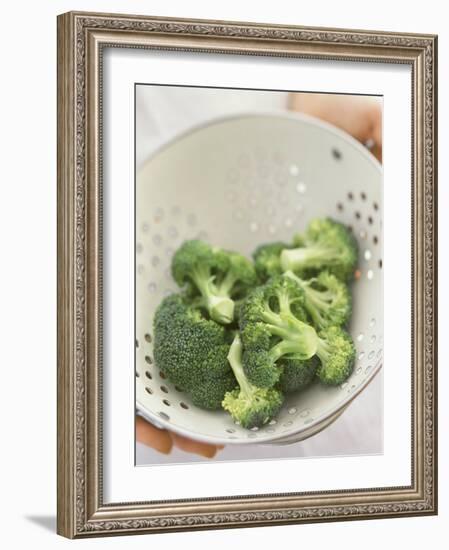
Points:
[[239, 182]]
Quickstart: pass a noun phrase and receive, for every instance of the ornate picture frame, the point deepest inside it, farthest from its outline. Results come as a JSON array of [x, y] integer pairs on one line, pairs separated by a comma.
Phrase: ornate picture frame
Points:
[[82, 38]]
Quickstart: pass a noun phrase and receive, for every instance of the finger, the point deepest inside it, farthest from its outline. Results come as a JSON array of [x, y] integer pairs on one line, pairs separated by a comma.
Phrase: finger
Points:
[[377, 136], [190, 446], [155, 438]]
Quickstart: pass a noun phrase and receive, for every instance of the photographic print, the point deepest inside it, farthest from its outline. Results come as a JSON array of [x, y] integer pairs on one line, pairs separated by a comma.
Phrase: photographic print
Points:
[[258, 274]]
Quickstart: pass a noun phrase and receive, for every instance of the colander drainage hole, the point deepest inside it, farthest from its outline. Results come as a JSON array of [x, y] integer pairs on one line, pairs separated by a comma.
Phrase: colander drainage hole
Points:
[[183, 405], [148, 338], [301, 187], [166, 402], [163, 415], [152, 287], [158, 215], [148, 375], [164, 389], [148, 360], [294, 170], [191, 220], [148, 390], [162, 375], [336, 154]]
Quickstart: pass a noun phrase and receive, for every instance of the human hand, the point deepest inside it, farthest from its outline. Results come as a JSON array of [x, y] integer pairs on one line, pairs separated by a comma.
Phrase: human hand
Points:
[[163, 441], [360, 116]]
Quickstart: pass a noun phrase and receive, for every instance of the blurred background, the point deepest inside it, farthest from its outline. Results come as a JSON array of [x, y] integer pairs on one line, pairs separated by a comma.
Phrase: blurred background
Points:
[[165, 112]]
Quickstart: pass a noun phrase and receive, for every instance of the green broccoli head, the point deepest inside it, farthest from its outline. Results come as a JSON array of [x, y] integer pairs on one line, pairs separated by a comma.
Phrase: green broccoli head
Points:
[[210, 392], [192, 351], [249, 405], [326, 245], [215, 276], [297, 373], [336, 352], [261, 367], [267, 259], [327, 299], [272, 326]]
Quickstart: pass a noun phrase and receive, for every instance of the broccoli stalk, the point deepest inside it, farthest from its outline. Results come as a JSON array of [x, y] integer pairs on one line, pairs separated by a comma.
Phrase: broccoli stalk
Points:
[[326, 244], [215, 299], [272, 327], [213, 277], [304, 258], [327, 299], [249, 405], [298, 337]]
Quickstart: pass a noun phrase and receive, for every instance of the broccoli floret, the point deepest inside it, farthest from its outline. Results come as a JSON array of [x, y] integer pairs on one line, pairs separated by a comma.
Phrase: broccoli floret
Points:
[[336, 352], [326, 245], [272, 326], [210, 392], [249, 405], [214, 276], [192, 352], [267, 259], [297, 374], [327, 299]]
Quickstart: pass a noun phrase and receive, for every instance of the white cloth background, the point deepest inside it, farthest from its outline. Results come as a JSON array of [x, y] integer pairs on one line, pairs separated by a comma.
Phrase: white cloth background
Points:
[[163, 112]]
